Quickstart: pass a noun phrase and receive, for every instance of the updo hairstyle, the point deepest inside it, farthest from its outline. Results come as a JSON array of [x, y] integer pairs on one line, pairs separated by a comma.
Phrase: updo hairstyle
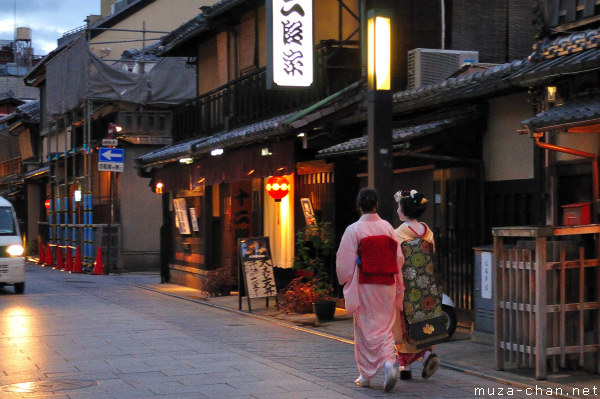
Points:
[[413, 203], [367, 199]]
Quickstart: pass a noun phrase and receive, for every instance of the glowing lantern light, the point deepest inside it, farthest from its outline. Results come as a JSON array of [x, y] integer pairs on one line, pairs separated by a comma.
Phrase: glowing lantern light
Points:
[[47, 204], [277, 187]]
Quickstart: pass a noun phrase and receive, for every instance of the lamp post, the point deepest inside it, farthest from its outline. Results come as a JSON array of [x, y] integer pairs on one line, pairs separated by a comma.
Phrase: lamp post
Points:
[[379, 110]]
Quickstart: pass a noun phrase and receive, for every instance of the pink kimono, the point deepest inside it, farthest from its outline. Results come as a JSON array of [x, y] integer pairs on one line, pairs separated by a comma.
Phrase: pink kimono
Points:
[[373, 305]]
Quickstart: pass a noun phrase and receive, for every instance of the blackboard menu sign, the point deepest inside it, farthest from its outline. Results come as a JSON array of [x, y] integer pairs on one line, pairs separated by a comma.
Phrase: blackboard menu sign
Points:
[[256, 267]]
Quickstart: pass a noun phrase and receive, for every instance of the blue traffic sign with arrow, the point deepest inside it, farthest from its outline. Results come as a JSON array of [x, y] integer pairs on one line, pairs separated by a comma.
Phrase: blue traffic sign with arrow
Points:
[[111, 155]]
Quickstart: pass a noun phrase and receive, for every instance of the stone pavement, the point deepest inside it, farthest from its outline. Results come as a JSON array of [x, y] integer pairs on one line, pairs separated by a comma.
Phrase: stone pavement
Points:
[[461, 353]]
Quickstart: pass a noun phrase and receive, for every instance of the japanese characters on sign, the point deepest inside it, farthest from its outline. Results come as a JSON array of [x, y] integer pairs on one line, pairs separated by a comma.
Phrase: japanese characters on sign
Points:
[[257, 266], [291, 41], [181, 216], [486, 275]]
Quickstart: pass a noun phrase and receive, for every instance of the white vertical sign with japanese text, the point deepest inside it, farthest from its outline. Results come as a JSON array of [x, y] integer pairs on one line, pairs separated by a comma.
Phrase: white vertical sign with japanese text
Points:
[[290, 40], [181, 216], [486, 275]]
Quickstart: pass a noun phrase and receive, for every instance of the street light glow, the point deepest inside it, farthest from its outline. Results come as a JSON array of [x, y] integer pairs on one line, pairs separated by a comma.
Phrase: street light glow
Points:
[[379, 52]]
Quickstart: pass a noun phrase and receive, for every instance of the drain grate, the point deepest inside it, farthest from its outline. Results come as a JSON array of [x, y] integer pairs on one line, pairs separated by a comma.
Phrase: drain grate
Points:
[[47, 386]]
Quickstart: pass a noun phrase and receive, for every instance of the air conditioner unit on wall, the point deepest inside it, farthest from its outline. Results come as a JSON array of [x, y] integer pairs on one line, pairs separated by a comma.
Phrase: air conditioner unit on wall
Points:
[[426, 66]]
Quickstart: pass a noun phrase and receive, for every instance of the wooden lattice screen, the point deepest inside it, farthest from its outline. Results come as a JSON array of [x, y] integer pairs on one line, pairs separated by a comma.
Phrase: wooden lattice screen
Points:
[[547, 297]]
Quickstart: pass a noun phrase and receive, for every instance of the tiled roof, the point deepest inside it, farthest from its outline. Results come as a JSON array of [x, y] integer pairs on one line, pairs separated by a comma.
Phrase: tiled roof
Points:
[[185, 32], [169, 153], [30, 111], [243, 135], [568, 55], [572, 113], [400, 135], [196, 25], [472, 85]]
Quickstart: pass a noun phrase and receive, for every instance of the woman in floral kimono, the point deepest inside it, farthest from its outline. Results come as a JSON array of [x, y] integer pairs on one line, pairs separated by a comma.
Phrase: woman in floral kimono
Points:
[[411, 205], [371, 298]]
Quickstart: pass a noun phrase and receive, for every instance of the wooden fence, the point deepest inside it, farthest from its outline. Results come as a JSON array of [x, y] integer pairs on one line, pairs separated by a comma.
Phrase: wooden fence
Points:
[[547, 297]]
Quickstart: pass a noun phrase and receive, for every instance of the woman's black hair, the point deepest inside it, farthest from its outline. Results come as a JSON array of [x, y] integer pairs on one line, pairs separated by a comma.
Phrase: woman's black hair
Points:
[[367, 199], [413, 206]]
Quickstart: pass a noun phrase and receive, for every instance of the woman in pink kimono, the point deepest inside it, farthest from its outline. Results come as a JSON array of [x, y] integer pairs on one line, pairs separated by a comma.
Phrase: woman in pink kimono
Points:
[[411, 205], [372, 297]]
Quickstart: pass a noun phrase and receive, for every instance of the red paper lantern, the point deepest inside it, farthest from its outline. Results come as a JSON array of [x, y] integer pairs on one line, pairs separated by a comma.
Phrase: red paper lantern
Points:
[[277, 187], [47, 204]]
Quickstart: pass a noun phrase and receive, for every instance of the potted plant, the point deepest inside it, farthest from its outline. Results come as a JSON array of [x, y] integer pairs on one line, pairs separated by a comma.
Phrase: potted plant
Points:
[[311, 289], [218, 282]]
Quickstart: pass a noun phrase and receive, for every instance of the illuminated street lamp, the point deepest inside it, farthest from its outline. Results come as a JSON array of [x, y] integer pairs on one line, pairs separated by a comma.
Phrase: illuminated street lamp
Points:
[[378, 50], [379, 110]]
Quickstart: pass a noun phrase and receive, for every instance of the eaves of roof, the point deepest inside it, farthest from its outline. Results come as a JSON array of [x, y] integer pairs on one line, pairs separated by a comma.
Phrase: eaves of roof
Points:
[[258, 131], [168, 154], [402, 135], [197, 25], [36, 74], [565, 56], [113, 19], [29, 111], [573, 113], [185, 32], [339, 100], [37, 173], [480, 84]]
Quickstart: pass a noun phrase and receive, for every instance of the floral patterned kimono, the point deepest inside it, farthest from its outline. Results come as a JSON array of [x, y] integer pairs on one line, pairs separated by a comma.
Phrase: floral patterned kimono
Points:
[[372, 305], [408, 353]]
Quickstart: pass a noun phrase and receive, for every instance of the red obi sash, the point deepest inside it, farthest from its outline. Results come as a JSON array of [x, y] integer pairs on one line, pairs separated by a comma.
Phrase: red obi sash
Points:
[[377, 255]]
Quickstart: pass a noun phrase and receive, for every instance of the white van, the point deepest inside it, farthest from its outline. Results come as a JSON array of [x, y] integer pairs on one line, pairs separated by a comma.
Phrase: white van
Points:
[[12, 263]]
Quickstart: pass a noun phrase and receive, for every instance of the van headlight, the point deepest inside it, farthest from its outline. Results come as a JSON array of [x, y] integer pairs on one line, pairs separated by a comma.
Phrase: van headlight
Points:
[[15, 250]]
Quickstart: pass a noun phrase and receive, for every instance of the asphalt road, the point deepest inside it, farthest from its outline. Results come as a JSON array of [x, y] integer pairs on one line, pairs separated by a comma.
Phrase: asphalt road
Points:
[[80, 336]]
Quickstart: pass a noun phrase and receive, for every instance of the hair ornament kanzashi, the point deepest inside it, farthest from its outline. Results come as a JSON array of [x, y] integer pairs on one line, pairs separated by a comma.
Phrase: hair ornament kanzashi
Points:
[[398, 196], [405, 194]]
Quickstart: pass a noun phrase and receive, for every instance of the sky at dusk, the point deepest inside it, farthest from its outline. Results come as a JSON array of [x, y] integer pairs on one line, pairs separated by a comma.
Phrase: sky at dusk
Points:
[[47, 19]]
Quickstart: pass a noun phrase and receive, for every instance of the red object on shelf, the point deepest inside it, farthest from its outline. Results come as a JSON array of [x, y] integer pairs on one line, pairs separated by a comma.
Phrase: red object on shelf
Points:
[[577, 214]]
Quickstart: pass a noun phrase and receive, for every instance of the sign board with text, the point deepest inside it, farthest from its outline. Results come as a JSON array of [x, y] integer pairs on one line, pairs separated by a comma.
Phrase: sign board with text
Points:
[[256, 268], [289, 43], [111, 159]]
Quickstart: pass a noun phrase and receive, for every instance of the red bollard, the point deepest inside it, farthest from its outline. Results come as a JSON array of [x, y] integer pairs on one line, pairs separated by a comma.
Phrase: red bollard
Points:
[[68, 261], [98, 264], [60, 263], [48, 260], [41, 253], [77, 266]]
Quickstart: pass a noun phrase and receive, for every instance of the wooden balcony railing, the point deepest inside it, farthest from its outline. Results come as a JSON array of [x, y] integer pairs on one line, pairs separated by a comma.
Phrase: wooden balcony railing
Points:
[[10, 167], [246, 99]]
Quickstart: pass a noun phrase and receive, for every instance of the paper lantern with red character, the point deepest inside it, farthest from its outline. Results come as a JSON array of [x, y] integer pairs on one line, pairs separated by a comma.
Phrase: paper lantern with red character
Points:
[[277, 187]]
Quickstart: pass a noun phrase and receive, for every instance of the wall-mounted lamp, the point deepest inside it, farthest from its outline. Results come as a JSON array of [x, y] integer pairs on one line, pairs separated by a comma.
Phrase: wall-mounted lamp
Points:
[[114, 128], [265, 152], [378, 50], [551, 93], [216, 152], [159, 187]]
